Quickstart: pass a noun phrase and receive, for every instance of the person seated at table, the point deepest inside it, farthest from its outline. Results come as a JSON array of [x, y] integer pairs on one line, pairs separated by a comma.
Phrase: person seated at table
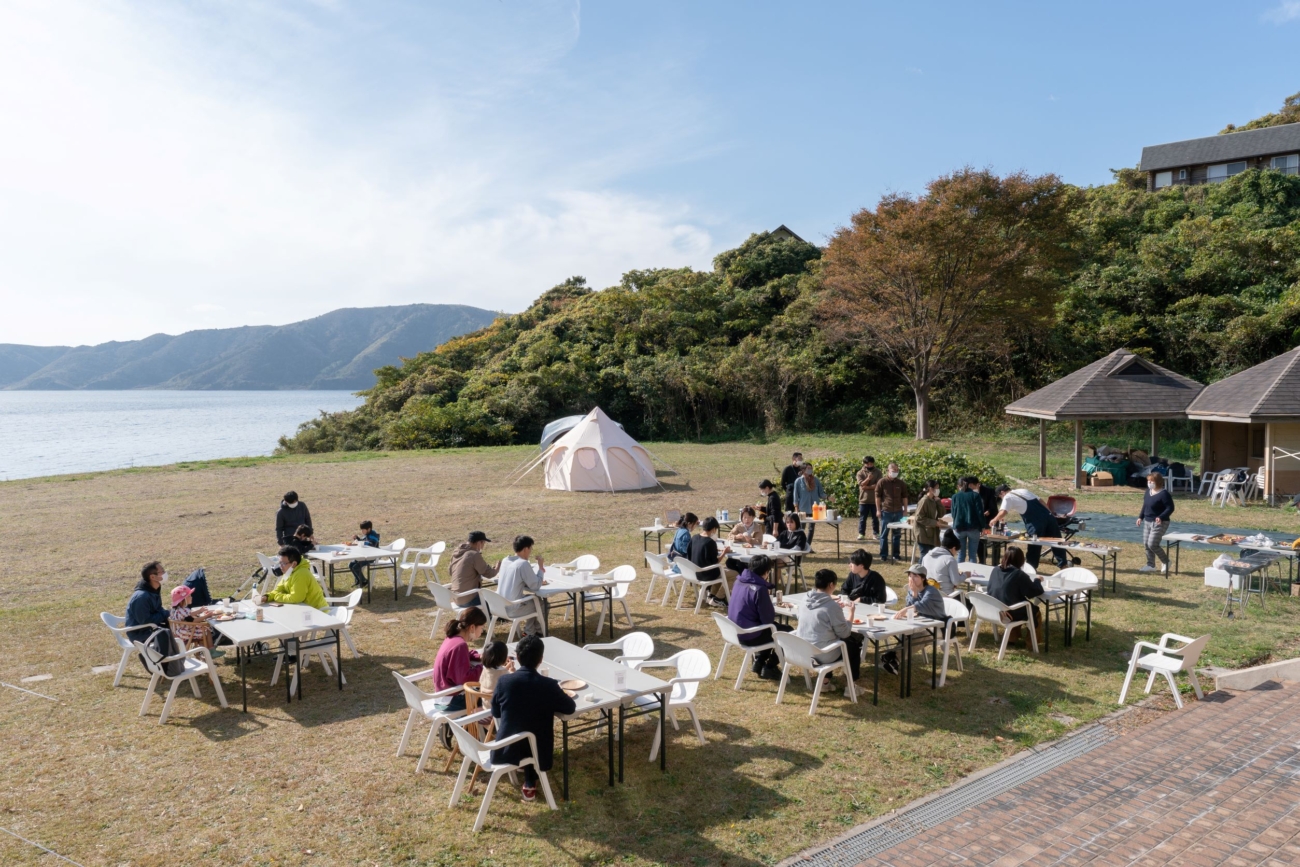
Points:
[[144, 610], [941, 563], [681, 546], [469, 568], [792, 537], [369, 537], [292, 514], [519, 583], [864, 584], [456, 664], [1011, 585], [749, 531], [297, 586], [525, 701], [773, 500], [751, 605], [923, 598], [303, 540], [496, 664], [822, 622], [704, 554], [183, 608]]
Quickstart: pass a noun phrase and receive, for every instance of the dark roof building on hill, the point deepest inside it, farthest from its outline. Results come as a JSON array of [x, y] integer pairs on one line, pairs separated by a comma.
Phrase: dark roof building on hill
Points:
[[782, 231], [1120, 386], [1218, 157]]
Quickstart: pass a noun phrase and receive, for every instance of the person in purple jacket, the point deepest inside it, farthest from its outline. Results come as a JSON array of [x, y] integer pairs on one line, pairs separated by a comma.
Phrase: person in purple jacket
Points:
[[1157, 508], [751, 605]]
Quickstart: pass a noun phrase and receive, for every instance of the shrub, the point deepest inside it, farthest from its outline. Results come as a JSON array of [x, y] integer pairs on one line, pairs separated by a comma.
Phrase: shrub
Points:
[[838, 475]]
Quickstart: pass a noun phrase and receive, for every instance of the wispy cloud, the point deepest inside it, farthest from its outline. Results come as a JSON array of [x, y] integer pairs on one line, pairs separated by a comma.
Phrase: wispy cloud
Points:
[[1286, 10], [298, 156]]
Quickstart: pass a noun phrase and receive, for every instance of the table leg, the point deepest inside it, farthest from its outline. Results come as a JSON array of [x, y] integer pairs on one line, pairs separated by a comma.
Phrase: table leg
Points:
[[620, 743], [837, 540], [645, 541], [1047, 626], [288, 672], [934, 658], [609, 725], [338, 654], [564, 740], [1087, 634], [663, 732], [875, 659], [243, 674], [580, 599], [297, 646], [332, 592], [609, 600]]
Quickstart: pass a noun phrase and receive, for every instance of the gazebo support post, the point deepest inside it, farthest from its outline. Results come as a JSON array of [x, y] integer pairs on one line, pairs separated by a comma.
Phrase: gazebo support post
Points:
[[1155, 438], [1078, 453], [1042, 448], [1269, 464]]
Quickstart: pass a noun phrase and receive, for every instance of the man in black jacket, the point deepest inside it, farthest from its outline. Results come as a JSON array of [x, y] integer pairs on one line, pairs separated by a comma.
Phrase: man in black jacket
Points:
[[292, 515], [989, 498], [527, 702], [774, 510], [864, 584], [704, 554], [789, 476]]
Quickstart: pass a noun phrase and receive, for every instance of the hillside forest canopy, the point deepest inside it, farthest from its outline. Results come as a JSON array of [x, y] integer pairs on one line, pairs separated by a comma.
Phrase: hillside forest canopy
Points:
[[783, 336]]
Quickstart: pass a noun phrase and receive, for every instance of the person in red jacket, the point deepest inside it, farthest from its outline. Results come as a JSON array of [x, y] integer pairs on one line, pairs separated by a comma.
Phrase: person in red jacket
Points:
[[456, 664]]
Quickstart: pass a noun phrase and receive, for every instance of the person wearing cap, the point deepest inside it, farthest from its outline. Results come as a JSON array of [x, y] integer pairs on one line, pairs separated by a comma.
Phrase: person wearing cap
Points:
[[868, 477], [923, 599], [822, 622], [469, 568], [864, 584], [293, 513]]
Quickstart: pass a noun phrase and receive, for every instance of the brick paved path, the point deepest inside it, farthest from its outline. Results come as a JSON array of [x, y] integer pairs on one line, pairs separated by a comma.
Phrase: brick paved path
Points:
[[1216, 783]]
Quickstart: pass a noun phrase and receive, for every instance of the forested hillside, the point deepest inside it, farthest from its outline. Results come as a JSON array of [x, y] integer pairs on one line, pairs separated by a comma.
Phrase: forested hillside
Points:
[[1202, 279]]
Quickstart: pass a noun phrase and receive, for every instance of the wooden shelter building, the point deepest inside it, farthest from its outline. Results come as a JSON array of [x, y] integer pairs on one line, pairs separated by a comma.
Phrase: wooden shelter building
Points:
[[1121, 386]]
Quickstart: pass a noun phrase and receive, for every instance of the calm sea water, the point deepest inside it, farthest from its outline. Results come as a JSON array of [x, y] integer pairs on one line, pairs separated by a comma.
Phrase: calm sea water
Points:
[[45, 433]]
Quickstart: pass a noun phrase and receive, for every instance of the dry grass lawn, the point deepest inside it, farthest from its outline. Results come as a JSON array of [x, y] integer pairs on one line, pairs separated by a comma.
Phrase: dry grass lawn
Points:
[[317, 782]]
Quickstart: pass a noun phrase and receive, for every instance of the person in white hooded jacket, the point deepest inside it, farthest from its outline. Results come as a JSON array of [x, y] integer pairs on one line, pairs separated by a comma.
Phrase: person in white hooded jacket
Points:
[[822, 622], [940, 563]]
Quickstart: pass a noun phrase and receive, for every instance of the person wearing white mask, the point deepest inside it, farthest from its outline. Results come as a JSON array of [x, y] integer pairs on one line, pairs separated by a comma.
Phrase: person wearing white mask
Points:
[[891, 504], [144, 610], [1157, 508]]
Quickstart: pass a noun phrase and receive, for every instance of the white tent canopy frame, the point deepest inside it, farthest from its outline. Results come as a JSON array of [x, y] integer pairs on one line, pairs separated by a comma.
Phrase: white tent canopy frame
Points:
[[598, 434]]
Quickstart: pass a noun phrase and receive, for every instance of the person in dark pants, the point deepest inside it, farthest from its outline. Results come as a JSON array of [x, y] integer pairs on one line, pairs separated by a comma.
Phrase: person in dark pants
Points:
[[704, 554], [868, 477], [1011, 585], [293, 514], [1039, 522], [990, 501], [750, 606], [370, 538], [789, 476], [527, 702], [891, 502], [144, 610], [774, 510]]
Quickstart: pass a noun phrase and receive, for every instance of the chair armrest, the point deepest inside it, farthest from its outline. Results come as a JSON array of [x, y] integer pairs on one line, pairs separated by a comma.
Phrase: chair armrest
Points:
[[190, 652], [463, 594], [749, 630], [602, 647], [477, 716], [1141, 644], [505, 742], [451, 690], [1168, 636], [428, 672], [1019, 605]]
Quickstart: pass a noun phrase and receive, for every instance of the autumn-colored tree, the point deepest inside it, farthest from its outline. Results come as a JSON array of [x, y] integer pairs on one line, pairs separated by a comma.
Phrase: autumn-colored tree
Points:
[[925, 281]]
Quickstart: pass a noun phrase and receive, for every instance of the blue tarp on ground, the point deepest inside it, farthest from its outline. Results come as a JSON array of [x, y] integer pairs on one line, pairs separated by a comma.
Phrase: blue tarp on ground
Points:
[[1120, 528]]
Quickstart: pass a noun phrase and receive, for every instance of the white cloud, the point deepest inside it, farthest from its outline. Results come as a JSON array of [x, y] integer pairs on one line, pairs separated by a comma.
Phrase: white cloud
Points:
[[1286, 10], [161, 172]]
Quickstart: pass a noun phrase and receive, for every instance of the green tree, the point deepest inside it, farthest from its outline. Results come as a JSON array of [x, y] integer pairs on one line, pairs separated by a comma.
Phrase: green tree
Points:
[[1289, 113]]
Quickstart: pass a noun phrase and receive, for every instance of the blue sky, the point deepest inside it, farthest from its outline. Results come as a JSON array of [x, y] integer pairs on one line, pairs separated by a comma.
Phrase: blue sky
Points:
[[207, 164]]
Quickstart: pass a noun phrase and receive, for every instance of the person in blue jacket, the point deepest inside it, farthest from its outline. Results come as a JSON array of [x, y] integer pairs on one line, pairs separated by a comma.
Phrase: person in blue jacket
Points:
[[1157, 508], [144, 610]]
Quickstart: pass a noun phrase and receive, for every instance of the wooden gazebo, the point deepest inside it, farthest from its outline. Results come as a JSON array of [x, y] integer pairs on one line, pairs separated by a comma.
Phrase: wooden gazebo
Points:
[[1119, 387]]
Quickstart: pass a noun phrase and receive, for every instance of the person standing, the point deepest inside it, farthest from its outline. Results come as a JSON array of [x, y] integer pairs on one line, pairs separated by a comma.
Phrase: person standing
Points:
[[868, 478], [968, 520], [469, 568], [990, 501], [1039, 522], [293, 514], [788, 477], [891, 503], [1157, 508], [807, 491], [928, 512], [774, 510], [526, 701]]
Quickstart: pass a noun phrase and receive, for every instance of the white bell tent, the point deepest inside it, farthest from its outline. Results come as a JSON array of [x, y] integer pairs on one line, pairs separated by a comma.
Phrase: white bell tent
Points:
[[596, 455]]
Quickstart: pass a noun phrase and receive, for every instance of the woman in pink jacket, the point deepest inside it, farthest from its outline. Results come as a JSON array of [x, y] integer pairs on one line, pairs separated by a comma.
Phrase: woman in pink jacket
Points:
[[456, 664]]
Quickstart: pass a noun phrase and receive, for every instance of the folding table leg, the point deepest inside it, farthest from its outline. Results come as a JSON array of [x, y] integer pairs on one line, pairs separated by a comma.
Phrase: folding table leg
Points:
[[620, 743], [875, 687], [663, 731], [609, 727], [243, 674], [564, 726], [934, 658]]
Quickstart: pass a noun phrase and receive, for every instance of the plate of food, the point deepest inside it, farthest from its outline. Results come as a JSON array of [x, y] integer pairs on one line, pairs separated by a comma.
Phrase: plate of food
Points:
[[224, 618], [573, 685], [857, 621]]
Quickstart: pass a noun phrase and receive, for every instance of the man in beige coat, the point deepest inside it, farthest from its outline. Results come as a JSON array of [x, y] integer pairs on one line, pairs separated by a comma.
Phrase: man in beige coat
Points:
[[468, 568]]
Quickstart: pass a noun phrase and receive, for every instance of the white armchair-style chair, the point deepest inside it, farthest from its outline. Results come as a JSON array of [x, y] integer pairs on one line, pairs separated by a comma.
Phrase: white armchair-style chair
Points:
[[421, 561], [499, 608], [701, 579], [585, 563], [448, 603], [989, 610], [423, 705], [1185, 481], [1167, 660], [620, 581], [731, 633], [343, 607], [692, 668], [124, 637], [478, 753], [197, 663], [634, 647], [660, 568], [957, 613], [797, 652]]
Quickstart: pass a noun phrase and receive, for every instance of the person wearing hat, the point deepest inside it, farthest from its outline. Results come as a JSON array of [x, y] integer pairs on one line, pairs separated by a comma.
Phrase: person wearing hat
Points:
[[923, 599], [868, 477], [469, 568]]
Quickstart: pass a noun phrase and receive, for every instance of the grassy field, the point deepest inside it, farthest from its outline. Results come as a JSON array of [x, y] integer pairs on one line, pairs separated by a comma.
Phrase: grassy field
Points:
[[317, 782]]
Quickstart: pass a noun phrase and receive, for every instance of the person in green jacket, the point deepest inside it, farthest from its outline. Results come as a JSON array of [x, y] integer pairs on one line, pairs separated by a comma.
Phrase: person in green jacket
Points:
[[968, 519], [297, 586], [928, 512]]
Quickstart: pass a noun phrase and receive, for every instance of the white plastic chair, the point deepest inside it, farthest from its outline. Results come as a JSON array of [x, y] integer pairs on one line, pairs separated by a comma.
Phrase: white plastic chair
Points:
[[448, 602], [1184, 481], [1168, 661], [699, 578], [585, 563], [731, 638], [620, 581], [197, 662], [392, 552], [632, 648], [797, 652], [1076, 579], [342, 607], [660, 568], [417, 560], [117, 625], [477, 752], [957, 613], [989, 610], [308, 648], [693, 667], [424, 705], [498, 608]]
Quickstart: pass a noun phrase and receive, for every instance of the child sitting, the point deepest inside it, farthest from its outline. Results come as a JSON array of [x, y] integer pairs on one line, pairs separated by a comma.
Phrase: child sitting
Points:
[[188, 625], [303, 539], [495, 661], [370, 538]]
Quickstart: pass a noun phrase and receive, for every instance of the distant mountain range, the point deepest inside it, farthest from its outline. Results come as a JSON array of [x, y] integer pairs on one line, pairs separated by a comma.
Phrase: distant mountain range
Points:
[[339, 350]]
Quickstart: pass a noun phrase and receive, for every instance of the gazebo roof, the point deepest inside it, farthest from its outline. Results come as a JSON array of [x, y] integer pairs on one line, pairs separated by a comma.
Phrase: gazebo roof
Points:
[[1269, 391], [1119, 386]]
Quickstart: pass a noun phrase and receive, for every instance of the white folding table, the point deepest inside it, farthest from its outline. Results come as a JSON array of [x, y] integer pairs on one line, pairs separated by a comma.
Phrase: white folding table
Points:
[[332, 555], [285, 623], [575, 585]]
